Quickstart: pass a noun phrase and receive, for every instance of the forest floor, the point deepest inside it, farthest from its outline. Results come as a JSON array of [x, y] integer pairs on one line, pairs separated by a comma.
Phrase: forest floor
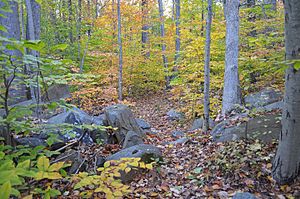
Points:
[[201, 168]]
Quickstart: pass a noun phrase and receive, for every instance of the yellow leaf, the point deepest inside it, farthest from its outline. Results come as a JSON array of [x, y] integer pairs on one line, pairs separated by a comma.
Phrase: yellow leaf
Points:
[[56, 166], [54, 176], [28, 197], [142, 165], [43, 163], [118, 193], [149, 166], [127, 170], [106, 164], [100, 169]]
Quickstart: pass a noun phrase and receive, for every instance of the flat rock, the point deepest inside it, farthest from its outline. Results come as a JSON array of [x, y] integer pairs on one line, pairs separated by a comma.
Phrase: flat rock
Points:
[[177, 134], [264, 127], [245, 195], [263, 98], [174, 115], [143, 124], [31, 141], [144, 151]]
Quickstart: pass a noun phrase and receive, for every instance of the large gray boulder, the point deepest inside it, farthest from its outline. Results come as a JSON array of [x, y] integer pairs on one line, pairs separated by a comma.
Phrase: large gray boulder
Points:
[[132, 139], [264, 127], [198, 124], [263, 98], [73, 116], [33, 141], [122, 119], [174, 115], [146, 152], [56, 92]]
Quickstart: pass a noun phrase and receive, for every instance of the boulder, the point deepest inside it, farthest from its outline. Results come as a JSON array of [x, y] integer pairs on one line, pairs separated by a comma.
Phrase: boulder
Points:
[[132, 139], [263, 98], [174, 115], [56, 92], [177, 134], [198, 124], [178, 141], [31, 141], [100, 120], [146, 152], [272, 107], [264, 127], [245, 195], [120, 117], [73, 116], [143, 124], [74, 158]]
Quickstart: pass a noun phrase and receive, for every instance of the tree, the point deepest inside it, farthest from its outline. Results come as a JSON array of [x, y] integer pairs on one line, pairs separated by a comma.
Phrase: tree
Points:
[[145, 29], [274, 6], [287, 160], [231, 92], [206, 66], [177, 40], [33, 33], [120, 81], [162, 33]]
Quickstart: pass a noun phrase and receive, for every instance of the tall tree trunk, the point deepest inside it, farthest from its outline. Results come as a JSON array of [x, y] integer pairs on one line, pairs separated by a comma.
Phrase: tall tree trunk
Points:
[[202, 18], [120, 81], [286, 165], [145, 29], [33, 33], [163, 47], [177, 40], [10, 21], [70, 21], [232, 92], [206, 66], [78, 30]]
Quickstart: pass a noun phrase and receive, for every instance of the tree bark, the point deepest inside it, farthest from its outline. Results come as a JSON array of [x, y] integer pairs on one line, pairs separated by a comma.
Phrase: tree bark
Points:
[[231, 92], [120, 81], [163, 47], [286, 165], [33, 33], [274, 5], [206, 66], [145, 29], [177, 40]]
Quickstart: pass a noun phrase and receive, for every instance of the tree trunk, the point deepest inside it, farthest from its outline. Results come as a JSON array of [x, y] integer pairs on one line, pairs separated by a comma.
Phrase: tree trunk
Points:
[[33, 33], [10, 21], [120, 81], [286, 165], [274, 6], [162, 34], [145, 29], [70, 21], [177, 40], [206, 66], [231, 92], [78, 30]]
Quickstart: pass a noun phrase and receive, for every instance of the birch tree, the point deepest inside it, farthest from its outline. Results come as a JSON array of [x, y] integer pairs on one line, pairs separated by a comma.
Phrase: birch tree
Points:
[[286, 165], [206, 66], [231, 92]]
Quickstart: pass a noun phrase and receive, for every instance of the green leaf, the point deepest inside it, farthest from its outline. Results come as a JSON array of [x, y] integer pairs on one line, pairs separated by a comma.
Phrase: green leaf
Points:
[[5, 190], [60, 47], [3, 29], [198, 170]]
